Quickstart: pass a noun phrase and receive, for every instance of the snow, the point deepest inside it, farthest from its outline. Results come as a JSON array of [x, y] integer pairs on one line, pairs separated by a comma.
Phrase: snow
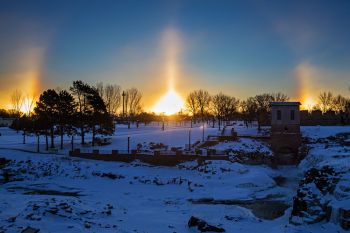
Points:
[[244, 144], [147, 198], [315, 132]]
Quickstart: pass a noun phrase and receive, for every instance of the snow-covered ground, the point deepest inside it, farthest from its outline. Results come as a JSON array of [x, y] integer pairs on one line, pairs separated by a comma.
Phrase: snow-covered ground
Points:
[[173, 136], [56, 193]]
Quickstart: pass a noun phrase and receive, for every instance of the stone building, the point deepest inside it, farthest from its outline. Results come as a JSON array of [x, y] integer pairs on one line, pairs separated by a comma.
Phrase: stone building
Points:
[[285, 131]]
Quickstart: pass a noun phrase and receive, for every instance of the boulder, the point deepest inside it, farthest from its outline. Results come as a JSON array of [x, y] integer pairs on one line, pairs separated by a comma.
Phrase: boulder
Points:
[[203, 226]]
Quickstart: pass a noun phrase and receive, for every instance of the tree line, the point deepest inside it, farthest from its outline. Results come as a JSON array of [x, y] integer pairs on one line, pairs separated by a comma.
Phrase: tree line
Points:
[[329, 102], [80, 110], [222, 108], [93, 109]]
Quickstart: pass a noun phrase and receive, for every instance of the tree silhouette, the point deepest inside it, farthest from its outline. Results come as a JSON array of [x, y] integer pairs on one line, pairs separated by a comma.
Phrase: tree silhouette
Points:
[[132, 103], [47, 108], [98, 115], [65, 110], [111, 95], [191, 105], [81, 91], [325, 101], [262, 103], [17, 102]]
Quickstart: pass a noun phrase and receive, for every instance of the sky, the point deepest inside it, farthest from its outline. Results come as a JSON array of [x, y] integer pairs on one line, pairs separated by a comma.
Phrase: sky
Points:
[[240, 48]]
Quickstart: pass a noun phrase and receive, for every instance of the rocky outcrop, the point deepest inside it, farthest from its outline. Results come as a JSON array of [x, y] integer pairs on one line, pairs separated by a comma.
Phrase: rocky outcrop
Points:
[[311, 204]]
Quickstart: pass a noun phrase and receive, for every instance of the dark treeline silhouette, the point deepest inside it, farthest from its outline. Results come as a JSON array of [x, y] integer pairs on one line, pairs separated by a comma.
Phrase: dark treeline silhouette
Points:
[[223, 108], [200, 106], [73, 112], [329, 102], [94, 109]]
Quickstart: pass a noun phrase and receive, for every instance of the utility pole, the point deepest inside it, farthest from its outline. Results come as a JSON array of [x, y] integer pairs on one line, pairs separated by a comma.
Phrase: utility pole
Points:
[[189, 139], [38, 146], [203, 133], [128, 144], [123, 94], [72, 142]]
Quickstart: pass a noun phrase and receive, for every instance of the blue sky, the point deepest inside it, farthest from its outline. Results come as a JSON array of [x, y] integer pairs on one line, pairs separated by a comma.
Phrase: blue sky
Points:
[[239, 47]]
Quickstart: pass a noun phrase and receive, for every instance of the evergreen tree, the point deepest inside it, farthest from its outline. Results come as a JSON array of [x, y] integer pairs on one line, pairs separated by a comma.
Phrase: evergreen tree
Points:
[[66, 110], [47, 109]]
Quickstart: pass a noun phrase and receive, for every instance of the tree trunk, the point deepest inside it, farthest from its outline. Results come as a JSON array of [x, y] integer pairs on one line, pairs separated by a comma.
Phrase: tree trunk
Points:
[[93, 135], [61, 137], [46, 140], [52, 138], [203, 129], [38, 143], [82, 134], [24, 136]]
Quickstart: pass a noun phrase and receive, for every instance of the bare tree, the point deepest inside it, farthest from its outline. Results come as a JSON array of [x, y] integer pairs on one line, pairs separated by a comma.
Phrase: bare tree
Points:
[[28, 104], [263, 102], [203, 99], [112, 98], [279, 97], [17, 101], [134, 97], [325, 101], [111, 95], [218, 107], [132, 103], [339, 104], [224, 107], [191, 105], [230, 107], [249, 109]]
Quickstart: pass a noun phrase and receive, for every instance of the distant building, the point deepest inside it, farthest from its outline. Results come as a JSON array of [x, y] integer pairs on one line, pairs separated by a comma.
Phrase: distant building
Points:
[[316, 117], [285, 130]]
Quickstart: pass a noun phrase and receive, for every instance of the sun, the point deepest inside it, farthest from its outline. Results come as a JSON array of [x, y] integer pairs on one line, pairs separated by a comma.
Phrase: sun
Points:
[[308, 103], [169, 104]]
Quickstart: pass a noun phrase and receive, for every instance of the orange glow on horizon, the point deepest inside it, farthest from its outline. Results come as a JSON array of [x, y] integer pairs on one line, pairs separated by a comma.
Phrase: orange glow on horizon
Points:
[[305, 77], [169, 104], [26, 78], [307, 103]]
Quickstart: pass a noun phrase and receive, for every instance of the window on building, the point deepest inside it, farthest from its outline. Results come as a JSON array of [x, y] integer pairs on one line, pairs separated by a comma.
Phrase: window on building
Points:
[[292, 115], [279, 115]]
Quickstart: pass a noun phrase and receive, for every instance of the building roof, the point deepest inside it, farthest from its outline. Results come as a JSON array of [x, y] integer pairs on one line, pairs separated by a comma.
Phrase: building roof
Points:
[[285, 103]]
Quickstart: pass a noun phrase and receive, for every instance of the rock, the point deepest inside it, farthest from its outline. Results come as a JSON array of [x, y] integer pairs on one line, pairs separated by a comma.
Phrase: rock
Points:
[[344, 218], [12, 219], [30, 230], [310, 205], [324, 178], [108, 175], [203, 226]]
